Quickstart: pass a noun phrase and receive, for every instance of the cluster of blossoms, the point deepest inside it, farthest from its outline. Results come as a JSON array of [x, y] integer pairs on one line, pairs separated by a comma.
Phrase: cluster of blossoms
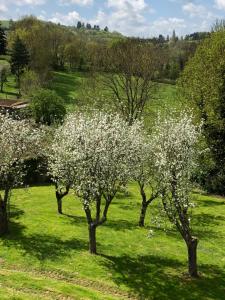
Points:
[[19, 141], [96, 154], [174, 142]]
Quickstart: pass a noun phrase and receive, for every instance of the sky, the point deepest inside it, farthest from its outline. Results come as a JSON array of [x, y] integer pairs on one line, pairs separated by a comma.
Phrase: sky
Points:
[[143, 18]]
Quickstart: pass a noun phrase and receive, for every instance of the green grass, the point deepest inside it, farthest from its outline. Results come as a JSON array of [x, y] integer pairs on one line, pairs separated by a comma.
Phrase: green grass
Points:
[[9, 89], [45, 256], [74, 86]]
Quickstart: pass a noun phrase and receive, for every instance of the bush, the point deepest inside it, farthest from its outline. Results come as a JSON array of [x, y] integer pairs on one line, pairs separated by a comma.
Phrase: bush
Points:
[[47, 107]]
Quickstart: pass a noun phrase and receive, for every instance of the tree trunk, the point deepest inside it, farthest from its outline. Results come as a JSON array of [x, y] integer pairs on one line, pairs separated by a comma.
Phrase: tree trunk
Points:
[[144, 207], [3, 218], [192, 257], [92, 239], [59, 204]]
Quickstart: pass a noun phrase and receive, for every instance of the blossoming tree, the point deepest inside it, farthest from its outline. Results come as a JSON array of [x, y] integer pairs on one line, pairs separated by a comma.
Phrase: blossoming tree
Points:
[[175, 141], [100, 152], [147, 177], [18, 141]]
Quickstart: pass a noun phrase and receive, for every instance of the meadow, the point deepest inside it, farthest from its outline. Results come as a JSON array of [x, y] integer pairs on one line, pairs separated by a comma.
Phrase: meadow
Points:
[[45, 255]]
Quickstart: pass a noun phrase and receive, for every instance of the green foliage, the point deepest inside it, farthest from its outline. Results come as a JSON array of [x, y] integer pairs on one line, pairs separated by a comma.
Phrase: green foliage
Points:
[[29, 82], [3, 41], [203, 85], [47, 107], [3, 76], [19, 59], [45, 255]]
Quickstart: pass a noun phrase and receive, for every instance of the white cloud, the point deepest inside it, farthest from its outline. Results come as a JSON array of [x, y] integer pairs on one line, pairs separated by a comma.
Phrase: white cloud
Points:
[[194, 9], [26, 2], [76, 2], [70, 19], [125, 16], [127, 4], [3, 8], [220, 4], [167, 25]]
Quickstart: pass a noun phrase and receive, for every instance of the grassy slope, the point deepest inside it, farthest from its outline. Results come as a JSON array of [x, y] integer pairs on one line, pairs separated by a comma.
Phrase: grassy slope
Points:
[[9, 89], [45, 256], [71, 86]]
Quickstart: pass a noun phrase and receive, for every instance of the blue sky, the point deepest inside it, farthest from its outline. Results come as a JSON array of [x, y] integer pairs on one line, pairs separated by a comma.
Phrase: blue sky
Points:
[[131, 17]]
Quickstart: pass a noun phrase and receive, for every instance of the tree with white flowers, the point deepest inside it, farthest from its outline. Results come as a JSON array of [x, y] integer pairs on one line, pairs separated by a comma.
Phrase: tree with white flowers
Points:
[[147, 177], [99, 152], [19, 141], [175, 142]]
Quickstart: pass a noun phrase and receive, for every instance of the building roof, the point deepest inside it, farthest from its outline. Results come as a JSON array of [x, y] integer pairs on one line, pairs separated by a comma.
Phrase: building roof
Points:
[[13, 104]]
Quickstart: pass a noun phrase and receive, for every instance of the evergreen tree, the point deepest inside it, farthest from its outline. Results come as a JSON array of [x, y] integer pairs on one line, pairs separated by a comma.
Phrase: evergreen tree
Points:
[[88, 26], [2, 41], [79, 25], [19, 60]]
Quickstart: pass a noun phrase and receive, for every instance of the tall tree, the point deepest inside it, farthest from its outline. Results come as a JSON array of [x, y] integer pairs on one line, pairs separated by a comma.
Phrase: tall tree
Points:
[[202, 84], [18, 141], [3, 77], [175, 141], [99, 153], [130, 67], [19, 60], [3, 41]]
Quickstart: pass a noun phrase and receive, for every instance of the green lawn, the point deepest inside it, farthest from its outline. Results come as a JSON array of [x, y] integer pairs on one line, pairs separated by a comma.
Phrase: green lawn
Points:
[[45, 256]]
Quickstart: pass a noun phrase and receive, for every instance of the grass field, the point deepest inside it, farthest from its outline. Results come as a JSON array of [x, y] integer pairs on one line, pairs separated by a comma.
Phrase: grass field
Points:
[[45, 256]]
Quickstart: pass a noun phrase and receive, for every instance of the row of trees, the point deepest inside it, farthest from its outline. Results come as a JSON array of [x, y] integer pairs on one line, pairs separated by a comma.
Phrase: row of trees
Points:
[[88, 26], [97, 154]]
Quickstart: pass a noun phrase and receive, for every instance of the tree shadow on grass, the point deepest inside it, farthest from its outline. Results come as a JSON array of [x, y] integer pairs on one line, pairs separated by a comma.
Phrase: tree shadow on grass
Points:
[[153, 277], [211, 202], [64, 84], [121, 225], [40, 245], [77, 220], [15, 212], [204, 219]]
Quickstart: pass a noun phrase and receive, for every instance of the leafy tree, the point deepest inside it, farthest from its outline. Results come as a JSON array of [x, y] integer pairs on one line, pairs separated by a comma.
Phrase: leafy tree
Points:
[[3, 77], [130, 67], [218, 25], [3, 41], [106, 29], [79, 24], [47, 107], [202, 84], [19, 60], [29, 82], [19, 141], [147, 177], [175, 142], [99, 152]]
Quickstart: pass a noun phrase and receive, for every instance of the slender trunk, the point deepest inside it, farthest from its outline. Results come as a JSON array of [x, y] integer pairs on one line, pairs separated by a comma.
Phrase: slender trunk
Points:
[[144, 207], [59, 204], [59, 196], [192, 257], [92, 239], [3, 218], [1, 87], [19, 89]]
